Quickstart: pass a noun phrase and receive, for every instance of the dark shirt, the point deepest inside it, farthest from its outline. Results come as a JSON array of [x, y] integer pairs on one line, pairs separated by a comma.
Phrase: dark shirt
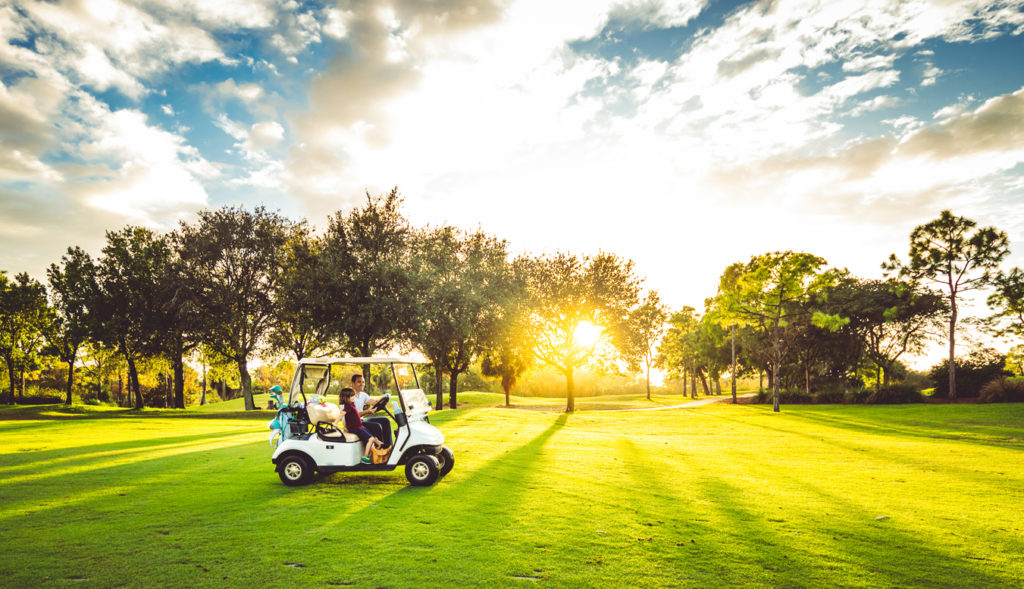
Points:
[[352, 419]]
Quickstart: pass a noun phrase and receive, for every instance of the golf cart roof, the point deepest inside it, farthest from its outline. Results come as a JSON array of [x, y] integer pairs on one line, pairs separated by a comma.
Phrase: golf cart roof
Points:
[[380, 360]]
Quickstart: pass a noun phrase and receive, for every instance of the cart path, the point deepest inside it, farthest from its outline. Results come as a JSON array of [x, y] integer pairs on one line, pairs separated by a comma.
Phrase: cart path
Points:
[[699, 403]]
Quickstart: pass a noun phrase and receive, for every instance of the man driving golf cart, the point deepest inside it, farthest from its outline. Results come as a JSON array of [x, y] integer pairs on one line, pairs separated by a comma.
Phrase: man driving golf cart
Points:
[[309, 440]]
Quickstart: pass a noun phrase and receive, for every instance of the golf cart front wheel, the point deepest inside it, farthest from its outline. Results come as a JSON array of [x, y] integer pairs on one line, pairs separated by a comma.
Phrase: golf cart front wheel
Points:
[[446, 459], [295, 470], [423, 470]]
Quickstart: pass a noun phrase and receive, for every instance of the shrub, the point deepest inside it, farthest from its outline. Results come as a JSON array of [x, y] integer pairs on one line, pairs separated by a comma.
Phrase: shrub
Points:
[[1003, 390], [895, 394], [972, 372], [830, 394], [857, 396], [786, 397]]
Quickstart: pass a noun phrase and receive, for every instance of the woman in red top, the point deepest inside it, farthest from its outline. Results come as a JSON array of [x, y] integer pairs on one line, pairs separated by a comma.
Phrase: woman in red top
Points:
[[354, 423]]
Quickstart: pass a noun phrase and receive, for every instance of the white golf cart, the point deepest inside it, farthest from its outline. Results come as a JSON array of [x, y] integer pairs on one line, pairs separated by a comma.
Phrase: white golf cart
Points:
[[304, 448]]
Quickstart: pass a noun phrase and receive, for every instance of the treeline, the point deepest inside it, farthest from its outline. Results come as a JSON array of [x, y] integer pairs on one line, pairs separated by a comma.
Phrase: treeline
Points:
[[238, 284], [815, 332]]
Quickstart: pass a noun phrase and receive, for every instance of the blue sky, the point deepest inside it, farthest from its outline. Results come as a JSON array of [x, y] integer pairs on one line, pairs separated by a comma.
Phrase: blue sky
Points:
[[684, 135]]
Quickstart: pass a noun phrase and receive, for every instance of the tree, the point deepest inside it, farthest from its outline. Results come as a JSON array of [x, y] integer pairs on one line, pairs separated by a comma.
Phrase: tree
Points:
[[575, 302], [74, 292], [23, 313], [677, 352], [464, 286], [134, 262], [892, 318], [366, 277], [238, 256], [763, 292], [947, 253], [1008, 303], [298, 327], [640, 334]]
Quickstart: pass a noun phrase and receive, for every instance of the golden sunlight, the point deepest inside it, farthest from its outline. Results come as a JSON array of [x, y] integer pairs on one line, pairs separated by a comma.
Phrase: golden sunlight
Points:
[[587, 334]]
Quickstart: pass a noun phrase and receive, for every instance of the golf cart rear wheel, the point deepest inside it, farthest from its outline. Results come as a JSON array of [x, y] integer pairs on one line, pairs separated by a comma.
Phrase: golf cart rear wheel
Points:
[[446, 459], [295, 470], [422, 470]]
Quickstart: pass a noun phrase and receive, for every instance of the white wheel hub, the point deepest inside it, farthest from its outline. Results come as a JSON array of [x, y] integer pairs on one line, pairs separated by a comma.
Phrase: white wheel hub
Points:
[[420, 470], [293, 470]]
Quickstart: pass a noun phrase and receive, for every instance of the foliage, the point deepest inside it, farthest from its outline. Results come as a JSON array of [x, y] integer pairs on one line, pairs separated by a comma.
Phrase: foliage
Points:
[[74, 294], [945, 252], [238, 255], [895, 394], [465, 290], [1003, 390], [766, 291], [972, 372], [641, 332], [298, 329], [1008, 303], [568, 291], [367, 292], [134, 260], [24, 314]]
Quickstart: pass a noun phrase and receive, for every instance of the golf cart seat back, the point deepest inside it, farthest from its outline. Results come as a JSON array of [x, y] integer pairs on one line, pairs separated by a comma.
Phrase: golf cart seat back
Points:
[[334, 436]]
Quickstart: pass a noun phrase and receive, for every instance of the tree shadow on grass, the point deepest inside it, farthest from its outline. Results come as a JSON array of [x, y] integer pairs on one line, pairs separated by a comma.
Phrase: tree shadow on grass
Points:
[[92, 452], [969, 434], [485, 502], [884, 552], [916, 460]]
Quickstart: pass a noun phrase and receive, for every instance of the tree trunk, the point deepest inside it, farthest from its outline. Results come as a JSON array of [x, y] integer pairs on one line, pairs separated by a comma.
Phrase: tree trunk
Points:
[[21, 389], [952, 347], [10, 379], [807, 378], [886, 372], [693, 384], [453, 383], [775, 370], [71, 380], [246, 382], [878, 377], [718, 383], [506, 385], [760, 381], [732, 335], [202, 399], [685, 378], [439, 388], [648, 382], [704, 383], [133, 382], [570, 391], [179, 381]]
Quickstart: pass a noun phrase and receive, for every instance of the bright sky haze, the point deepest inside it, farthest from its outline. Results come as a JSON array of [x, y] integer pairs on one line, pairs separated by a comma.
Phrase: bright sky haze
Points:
[[683, 135]]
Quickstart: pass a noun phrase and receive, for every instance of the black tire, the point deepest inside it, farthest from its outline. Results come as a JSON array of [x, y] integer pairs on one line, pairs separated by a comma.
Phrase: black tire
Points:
[[295, 470], [446, 459], [422, 470]]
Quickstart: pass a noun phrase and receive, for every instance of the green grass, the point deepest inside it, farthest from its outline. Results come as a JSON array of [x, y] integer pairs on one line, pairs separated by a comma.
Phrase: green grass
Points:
[[857, 496]]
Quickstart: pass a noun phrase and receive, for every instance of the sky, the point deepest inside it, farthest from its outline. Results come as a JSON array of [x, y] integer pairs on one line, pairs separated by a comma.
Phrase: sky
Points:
[[682, 135]]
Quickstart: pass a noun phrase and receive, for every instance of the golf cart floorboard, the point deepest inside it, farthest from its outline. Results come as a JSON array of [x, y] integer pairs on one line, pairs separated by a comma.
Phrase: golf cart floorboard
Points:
[[357, 468]]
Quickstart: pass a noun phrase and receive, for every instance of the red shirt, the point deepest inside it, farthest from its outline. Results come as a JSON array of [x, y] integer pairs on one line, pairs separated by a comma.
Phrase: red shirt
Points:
[[352, 419]]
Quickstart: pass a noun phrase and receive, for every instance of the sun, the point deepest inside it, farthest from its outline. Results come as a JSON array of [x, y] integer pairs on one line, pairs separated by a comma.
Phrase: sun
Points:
[[587, 334]]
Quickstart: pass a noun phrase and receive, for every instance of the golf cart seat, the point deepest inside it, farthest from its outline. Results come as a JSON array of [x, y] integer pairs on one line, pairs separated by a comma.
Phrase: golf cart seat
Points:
[[328, 432]]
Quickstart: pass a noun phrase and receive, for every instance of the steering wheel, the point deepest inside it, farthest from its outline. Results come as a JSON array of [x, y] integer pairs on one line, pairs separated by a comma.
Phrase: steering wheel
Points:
[[381, 403]]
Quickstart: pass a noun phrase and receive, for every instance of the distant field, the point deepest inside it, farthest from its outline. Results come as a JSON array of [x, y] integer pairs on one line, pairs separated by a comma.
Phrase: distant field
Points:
[[858, 496]]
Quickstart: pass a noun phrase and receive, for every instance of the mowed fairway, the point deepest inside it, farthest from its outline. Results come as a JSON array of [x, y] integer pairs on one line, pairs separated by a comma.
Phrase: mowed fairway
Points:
[[924, 496]]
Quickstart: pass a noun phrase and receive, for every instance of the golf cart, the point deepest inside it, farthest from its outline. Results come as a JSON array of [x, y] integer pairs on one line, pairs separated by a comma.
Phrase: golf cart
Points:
[[304, 448]]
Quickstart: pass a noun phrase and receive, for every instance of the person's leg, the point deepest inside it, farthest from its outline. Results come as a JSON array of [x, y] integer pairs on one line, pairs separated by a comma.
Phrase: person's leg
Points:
[[384, 425], [374, 427]]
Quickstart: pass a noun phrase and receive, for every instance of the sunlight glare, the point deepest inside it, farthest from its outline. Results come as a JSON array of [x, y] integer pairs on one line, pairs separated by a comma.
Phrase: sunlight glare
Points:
[[587, 334]]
